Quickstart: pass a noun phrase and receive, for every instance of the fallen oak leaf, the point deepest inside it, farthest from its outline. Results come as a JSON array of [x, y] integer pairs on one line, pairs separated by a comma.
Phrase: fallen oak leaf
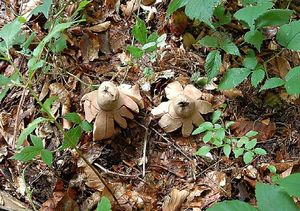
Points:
[[183, 109], [110, 104]]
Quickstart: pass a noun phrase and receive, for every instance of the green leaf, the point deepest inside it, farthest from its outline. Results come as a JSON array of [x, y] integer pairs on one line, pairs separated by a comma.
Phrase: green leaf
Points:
[[248, 157], [203, 151], [253, 2], [209, 41], [238, 152], [27, 153], [71, 138], [203, 127], [254, 38], [251, 13], [232, 205], [73, 117], [229, 47], [43, 8], [291, 184], [251, 133], [34, 64], [3, 93], [47, 157], [135, 51], [292, 86], [233, 77], [274, 17], [272, 83], [220, 134], [251, 144], [289, 35], [9, 32], [227, 150], [47, 105], [30, 128], [139, 31], [201, 10], [272, 169], [4, 80], [86, 126], [207, 137], [259, 151], [213, 64], [295, 72], [104, 204], [228, 124], [216, 116], [59, 45], [257, 76], [152, 37], [36, 141], [270, 198], [175, 5], [223, 18], [250, 60]]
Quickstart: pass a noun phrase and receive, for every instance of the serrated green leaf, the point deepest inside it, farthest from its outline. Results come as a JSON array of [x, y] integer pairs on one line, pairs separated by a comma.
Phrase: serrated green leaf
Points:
[[259, 151], [36, 141], [213, 64], [291, 184], [86, 126], [104, 204], [250, 60], [251, 144], [253, 2], [227, 150], [289, 35], [229, 47], [29, 129], [152, 37], [47, 157], [251, 133], [59, 45], [248, 157], [220, 134], [27, 153], [209, 41], [201, 10], [292, 86], [272, 83], [203, 127], [232, 205], [47, 105], [274, 17], [295, 72], [238, 152], [175, 5], [9, 32], [73, 117], [135, 51], [257, 76], [254, 38], [233, 77], [3, 93], [139, 31], [223, 18], [203, 151], [251, 13], [71, 138], [43, 8], [216, 116], [270, 198], [4, 80]]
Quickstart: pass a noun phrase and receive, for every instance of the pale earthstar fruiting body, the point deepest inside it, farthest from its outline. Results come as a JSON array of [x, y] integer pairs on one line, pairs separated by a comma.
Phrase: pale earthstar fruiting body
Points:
[[183, 109], [110, 104]]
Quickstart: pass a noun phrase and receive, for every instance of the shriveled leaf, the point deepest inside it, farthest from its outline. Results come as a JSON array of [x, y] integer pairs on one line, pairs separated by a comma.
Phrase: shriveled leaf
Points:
[[213, 64], [272, 83], [289, 35], [233, 77]]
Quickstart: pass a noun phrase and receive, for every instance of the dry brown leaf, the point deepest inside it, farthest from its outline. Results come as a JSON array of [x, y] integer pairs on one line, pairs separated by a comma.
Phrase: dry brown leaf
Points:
[[265, 132], [101, 27], [110, 104], [131, 7], [281, 66], [89, 46], [175, 200], [233, 93], [183, 109], [178, 23]]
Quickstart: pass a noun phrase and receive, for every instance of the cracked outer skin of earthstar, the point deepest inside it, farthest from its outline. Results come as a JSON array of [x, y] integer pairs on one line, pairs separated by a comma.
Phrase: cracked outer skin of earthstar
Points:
[[183, 109], [110, 104]]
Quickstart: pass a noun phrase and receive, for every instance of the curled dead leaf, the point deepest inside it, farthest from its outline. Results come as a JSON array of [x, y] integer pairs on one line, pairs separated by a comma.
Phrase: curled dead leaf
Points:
[[110, 104], [183, 109]]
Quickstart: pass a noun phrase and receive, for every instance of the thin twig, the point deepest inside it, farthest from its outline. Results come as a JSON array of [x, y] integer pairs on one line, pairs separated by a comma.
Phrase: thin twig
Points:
[[144, 152], [106, 171]]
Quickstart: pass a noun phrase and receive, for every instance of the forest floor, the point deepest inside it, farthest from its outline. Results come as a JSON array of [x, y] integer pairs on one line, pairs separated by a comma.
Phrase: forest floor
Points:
[[145, 167]]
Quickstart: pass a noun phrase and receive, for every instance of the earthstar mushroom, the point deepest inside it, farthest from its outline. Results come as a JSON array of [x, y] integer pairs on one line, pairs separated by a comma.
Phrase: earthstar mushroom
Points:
[[183, 109], [110, 104]]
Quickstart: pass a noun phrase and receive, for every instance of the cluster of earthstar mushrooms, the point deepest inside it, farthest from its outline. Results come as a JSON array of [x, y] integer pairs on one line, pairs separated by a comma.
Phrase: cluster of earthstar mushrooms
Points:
[[111, 103]]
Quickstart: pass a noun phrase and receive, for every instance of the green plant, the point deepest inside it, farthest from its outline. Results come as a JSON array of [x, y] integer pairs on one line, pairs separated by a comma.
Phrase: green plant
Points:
[[269, 197], [147, 44], [254, 16], [218, 136], [104, 204]]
